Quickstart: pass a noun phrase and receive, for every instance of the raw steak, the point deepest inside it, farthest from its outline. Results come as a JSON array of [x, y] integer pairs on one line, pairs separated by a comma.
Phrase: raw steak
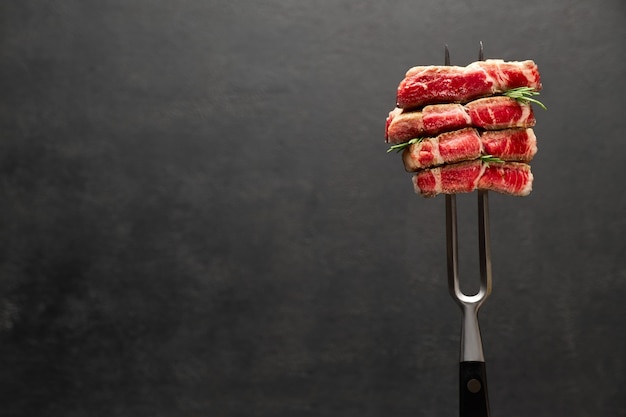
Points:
[[510, 144], [451, 84], [499, 112], [512, 178], [467, 144], [489, 113], [449, 147], [402, 126]]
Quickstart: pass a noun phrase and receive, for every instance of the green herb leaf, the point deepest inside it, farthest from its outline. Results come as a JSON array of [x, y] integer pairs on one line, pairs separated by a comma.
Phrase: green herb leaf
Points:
[[400, 146], [491, 158], [524, 95]]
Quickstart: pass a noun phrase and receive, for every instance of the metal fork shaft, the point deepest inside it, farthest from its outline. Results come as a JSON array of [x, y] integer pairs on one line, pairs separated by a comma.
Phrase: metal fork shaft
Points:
[[471, 342]]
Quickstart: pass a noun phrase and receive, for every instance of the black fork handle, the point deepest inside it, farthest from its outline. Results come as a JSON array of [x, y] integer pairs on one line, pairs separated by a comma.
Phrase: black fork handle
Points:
[[474, 398]]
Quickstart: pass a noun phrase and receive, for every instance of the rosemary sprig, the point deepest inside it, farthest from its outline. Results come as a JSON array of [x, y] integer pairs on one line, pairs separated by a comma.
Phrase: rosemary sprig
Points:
[[490, 158], [400, 146], [524, 94]]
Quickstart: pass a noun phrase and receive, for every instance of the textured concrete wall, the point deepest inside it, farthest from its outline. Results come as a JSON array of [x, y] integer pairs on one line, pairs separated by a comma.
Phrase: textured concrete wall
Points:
[[198, 216]]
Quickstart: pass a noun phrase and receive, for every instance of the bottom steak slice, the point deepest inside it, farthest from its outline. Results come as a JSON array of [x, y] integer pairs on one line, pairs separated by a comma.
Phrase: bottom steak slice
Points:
[[512, 178]]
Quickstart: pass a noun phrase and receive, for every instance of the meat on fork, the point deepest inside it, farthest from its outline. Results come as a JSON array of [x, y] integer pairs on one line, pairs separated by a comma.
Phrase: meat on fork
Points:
[[424, 85], [403, 126], [499, 112], [468, 144], [490, 113], [446, 148], [510, 144], [511, 178]]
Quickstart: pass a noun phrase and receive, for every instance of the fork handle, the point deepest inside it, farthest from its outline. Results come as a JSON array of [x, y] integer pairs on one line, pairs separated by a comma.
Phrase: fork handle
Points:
[[474, 400]]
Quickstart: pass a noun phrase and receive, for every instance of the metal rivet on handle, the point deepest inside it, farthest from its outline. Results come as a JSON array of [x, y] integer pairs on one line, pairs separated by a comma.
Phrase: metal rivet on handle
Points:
[[474, 385]]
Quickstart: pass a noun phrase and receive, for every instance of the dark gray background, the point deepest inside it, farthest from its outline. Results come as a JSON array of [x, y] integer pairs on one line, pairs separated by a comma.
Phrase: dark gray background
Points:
[[198, 216]]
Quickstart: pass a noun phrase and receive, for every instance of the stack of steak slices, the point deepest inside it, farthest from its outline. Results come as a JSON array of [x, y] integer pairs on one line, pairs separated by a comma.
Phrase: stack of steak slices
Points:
[[459, 131]]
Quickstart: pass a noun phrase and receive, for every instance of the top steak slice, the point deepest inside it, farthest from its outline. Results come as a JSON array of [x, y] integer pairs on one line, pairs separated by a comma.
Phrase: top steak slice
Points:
[[490, 113], [452, 84]]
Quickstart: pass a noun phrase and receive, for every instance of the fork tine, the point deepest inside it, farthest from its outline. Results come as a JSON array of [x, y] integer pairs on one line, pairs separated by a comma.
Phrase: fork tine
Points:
[[484, 240], [484, 243], [452, 242], [452, 247]]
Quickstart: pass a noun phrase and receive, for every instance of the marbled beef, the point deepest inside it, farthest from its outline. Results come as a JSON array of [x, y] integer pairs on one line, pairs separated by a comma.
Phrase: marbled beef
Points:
[[446, 148], [512, 178], [424, 85], [467, 144], [490, 113], [499, 112], [510, 144]]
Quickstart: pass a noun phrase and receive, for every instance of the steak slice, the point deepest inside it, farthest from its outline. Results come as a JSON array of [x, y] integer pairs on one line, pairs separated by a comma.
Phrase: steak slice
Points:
[[489, 113], [511, 178], [510, 144], [404, 126], [449, 179], [445, 117], [452, 84], [449, 147], [467, 144], [500, 112]]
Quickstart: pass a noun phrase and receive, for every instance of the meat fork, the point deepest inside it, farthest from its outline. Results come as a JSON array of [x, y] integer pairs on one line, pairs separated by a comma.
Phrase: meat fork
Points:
[[473, 396]]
